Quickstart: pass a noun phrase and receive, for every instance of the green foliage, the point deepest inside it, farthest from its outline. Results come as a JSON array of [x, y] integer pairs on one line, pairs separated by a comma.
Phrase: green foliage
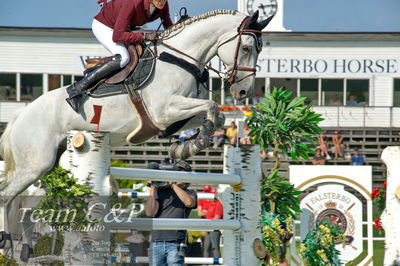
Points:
[[286, 123], [64, 201], [279, 196], [318, 248], [44, 245]]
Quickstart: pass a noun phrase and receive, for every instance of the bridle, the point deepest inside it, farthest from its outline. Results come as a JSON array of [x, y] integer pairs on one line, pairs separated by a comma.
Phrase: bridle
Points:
[[231, 72]]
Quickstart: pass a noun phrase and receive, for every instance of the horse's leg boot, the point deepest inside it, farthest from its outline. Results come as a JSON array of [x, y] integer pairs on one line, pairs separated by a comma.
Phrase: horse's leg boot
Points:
[[77, 90], [26, 252]]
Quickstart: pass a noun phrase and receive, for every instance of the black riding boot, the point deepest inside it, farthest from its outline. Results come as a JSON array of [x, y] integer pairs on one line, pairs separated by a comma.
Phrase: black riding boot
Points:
[[78, 89]]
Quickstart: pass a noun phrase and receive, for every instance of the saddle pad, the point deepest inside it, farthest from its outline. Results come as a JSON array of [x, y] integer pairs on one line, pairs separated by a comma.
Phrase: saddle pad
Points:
[[136, 79]]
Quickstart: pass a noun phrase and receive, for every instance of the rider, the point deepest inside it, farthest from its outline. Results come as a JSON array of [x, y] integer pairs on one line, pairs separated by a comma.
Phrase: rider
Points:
[[110, 26]]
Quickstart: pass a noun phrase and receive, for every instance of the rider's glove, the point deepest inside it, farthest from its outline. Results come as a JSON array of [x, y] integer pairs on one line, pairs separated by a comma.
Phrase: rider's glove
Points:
[[150, 36]]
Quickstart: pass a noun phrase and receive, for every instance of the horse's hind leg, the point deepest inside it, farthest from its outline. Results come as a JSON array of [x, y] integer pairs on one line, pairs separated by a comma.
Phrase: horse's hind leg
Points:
[[31, 163]]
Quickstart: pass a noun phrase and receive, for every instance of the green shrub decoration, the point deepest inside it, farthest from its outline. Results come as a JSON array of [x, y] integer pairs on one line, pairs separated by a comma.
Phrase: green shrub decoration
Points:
[[65, 203], [44, 245], [318, 248]]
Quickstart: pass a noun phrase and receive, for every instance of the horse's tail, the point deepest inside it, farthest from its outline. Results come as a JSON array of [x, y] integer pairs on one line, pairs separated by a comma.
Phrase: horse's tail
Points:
[[5, 146]]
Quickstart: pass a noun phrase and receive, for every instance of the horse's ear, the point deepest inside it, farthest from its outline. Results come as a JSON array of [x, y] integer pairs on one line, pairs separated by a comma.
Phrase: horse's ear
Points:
[[253, 21], [262, 24]]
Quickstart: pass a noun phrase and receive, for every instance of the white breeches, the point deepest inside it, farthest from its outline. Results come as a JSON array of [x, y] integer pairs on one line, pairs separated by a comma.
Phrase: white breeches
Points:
[[104, 36]]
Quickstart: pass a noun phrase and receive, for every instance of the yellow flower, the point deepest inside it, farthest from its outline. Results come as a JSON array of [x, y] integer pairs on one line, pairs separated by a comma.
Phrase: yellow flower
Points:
[[276, 223], [324, 229], [289, 224], [303, 248], [326, 241], [248, 114], [322, 255]]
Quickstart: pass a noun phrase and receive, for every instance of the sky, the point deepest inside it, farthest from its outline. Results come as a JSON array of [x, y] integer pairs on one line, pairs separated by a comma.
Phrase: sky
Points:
[[299, 15]]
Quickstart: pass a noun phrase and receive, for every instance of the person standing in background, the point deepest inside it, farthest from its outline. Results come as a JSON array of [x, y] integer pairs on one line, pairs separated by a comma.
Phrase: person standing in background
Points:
[[212, 239]]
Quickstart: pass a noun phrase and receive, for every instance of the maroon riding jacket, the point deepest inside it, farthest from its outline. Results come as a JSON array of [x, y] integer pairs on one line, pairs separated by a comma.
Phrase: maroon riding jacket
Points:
[[122, 15]]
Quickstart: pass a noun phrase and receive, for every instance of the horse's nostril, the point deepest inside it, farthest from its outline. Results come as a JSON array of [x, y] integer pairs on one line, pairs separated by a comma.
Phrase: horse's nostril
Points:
[[242, 92]]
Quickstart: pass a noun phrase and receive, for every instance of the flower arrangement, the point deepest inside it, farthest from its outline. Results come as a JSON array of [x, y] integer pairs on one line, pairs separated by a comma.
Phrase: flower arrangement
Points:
[[318, 248], [276, 229], [378, 196]]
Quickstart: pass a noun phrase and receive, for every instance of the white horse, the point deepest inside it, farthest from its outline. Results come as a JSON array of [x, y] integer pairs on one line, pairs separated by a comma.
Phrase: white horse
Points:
[[30, 142]]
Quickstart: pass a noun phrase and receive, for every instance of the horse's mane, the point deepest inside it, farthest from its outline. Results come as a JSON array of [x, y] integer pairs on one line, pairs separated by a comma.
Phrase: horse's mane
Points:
[[189, 21]]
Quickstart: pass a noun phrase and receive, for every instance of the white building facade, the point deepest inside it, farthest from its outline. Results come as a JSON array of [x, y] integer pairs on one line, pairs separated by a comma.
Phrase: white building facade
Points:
[[352, 79]]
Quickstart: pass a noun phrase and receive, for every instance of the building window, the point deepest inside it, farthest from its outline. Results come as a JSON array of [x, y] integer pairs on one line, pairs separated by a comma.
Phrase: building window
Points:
[[54, 82], [332, 92], [309, 89], [67, 80], [288, 84], [259, 91], [396, 93], [357, 92], [8, 87], [78, 78], [31, 86]]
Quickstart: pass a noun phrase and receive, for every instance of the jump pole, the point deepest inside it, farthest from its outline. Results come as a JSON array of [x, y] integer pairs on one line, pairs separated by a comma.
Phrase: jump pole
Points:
[[88, 158]]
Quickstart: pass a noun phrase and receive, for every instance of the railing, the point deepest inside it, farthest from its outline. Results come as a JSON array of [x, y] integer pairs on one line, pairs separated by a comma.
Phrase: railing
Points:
[[345, 116]]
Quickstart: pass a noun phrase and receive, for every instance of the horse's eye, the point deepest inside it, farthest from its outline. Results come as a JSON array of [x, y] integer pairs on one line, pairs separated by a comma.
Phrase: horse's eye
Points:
[[246, 49]]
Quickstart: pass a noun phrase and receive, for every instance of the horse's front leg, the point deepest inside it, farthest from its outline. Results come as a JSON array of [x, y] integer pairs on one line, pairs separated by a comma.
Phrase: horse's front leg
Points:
[[183, 108]]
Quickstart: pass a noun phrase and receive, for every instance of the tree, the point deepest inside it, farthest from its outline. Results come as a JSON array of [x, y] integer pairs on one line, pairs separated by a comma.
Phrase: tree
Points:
[[290, 127]]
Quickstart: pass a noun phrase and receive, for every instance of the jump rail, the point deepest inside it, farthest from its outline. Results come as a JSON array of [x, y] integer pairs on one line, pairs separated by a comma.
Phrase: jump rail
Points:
[[144, 195], [89, 159], [147, 224], [175, 176], [188, 260]]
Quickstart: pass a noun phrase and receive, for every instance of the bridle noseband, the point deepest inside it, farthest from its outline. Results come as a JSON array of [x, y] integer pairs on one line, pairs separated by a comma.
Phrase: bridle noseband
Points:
[[230, 73]]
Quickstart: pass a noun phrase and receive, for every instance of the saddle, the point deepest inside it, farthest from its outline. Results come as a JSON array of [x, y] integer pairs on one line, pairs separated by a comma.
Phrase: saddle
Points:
[[135, 52]]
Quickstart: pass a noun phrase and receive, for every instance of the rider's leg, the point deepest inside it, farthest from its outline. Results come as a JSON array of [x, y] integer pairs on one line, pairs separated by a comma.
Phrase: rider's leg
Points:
[[104, 36], [77, 89]]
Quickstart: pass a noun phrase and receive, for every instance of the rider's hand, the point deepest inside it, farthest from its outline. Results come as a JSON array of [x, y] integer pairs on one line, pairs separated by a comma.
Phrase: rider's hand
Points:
[[150, 36]]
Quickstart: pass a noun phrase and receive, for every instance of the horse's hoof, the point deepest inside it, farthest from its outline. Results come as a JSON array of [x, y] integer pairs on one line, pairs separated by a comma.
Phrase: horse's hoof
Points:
[[3, 239], [26, 252]]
